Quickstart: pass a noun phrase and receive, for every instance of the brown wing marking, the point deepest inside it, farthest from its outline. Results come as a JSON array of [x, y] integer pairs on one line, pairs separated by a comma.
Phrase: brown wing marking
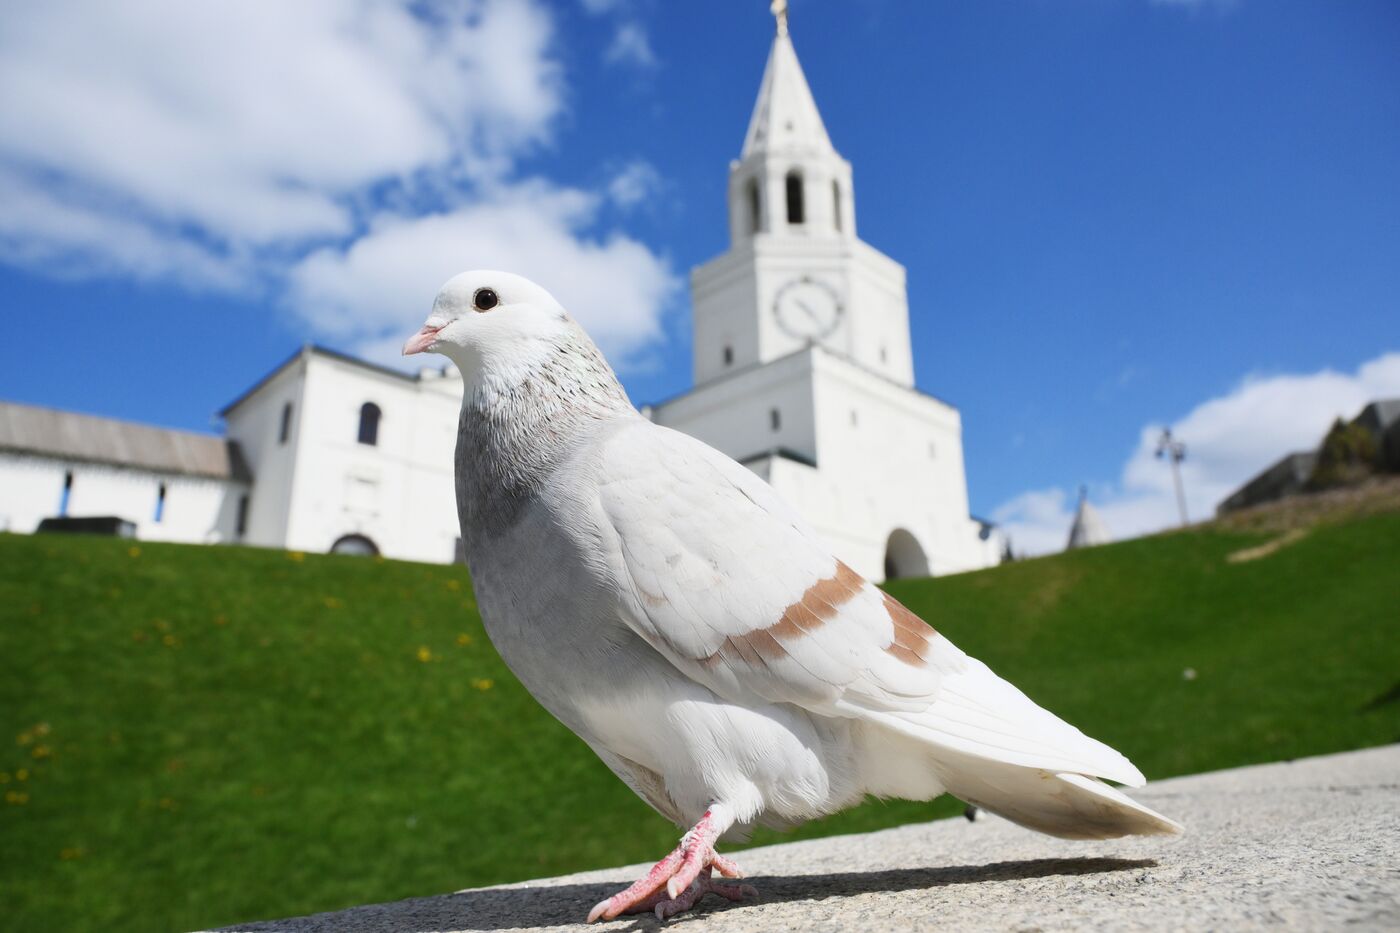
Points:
[[818, 604], [912, 635]]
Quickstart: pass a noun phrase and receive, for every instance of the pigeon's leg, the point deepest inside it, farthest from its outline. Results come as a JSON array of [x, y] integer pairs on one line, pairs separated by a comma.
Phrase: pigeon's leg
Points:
[[675, 884]]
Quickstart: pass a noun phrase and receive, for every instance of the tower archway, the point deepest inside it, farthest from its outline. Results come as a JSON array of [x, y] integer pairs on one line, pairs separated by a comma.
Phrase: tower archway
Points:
[[904, 556]]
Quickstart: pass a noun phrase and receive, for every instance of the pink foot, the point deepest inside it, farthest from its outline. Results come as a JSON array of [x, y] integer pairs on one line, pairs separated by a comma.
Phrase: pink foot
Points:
[[685, 875]]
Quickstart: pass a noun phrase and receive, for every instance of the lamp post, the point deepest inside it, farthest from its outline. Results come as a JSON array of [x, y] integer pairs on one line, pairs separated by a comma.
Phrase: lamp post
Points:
[[1170, 448]]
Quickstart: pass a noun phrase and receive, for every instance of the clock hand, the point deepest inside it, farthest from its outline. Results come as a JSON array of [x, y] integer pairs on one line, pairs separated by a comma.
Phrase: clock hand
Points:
[[806, 310]]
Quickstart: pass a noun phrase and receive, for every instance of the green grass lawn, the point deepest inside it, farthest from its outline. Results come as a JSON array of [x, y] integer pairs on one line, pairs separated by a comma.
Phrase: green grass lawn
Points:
[[192, 736]]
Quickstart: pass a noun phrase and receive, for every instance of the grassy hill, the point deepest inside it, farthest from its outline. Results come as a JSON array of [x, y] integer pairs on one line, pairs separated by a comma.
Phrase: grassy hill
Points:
[[193, 736]]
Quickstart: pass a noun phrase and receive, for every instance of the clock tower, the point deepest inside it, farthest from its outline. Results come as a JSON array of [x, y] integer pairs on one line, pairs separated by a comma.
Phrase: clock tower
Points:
[[803, 367], [796, 273]]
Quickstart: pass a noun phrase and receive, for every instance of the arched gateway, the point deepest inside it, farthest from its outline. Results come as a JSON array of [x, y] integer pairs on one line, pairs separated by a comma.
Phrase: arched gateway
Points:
[[904, 556]]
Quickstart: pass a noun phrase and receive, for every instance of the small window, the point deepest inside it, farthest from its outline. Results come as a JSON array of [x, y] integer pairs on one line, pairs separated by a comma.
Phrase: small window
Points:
[[836, 204], [884, 357], [855, 418], [285, 431], [67, 494], [795, 212], [160, 503], [369, 424], [728, 355], [932, 450], [775, 419], [755, 208], [240, 526]]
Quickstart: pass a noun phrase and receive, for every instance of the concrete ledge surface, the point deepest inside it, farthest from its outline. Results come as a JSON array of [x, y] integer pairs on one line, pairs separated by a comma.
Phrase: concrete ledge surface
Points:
[[1307, 845]]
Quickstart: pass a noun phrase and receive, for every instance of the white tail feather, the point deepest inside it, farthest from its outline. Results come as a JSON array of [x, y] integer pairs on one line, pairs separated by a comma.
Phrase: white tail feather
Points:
[[1063, 804]]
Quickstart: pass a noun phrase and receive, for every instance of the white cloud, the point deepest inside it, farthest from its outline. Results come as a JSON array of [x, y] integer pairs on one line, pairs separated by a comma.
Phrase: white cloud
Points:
[[1229, 439], [379, 289], [637, 182], [630, 45], [355, 153], [258, 123]]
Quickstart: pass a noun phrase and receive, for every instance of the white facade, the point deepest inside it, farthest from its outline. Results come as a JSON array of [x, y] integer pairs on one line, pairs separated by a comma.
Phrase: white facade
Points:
[[196, 508], [321, 484], [803, 363]]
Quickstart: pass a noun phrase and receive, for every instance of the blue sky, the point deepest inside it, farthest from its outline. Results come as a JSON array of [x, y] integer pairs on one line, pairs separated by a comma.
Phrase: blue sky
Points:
[[1115, 214]]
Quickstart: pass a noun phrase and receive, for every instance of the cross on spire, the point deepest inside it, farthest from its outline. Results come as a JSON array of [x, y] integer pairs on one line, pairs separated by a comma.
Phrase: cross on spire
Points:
[[780, 13]]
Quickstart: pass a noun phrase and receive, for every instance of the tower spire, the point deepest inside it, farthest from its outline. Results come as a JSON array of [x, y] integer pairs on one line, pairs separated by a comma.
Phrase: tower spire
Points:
[[785, 116]]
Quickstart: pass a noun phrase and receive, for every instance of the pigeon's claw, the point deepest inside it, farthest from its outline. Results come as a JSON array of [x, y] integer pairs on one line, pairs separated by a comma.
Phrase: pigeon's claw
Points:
[[678, 881], [669, 907]]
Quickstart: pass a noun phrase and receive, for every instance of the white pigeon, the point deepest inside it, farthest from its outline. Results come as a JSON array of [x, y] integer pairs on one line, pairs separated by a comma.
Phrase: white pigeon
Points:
[[666, 605]]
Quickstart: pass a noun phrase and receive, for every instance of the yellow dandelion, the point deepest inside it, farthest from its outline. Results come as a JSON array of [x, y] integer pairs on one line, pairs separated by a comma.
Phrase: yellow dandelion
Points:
[[483, 683], [464, 639], [454, 585], [424, 654], [16, 797], [171, 641], [71, 853], [296, 557], [332, 603], [41, 729], [133, 551], [22, 774], [41, 751]]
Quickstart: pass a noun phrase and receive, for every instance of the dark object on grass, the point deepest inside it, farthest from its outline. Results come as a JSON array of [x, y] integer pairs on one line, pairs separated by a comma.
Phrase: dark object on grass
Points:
[[109, 525]]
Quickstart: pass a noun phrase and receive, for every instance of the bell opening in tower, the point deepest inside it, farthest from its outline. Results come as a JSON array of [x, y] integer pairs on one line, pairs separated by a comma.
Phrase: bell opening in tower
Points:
[[795, 211]]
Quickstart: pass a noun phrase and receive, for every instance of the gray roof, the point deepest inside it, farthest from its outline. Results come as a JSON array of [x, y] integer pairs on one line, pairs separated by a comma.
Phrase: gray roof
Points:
[[68, 435]]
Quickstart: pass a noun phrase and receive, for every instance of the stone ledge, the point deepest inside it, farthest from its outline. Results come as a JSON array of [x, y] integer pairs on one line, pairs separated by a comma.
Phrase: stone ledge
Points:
[[1309, 845]]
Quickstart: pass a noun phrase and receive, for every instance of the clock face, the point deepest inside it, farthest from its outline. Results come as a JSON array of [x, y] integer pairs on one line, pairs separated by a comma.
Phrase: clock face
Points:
[[807, 309]]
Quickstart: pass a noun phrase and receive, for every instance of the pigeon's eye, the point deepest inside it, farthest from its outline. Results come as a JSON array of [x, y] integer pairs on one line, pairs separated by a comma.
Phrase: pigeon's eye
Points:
[[485, 299]]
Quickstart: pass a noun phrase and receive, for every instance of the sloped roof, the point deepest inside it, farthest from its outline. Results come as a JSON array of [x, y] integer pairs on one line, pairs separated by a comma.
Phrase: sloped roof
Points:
[[69, 435]]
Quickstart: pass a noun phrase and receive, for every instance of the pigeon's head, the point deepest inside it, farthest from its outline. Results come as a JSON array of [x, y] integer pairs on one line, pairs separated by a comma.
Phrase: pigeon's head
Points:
[[491, 319]]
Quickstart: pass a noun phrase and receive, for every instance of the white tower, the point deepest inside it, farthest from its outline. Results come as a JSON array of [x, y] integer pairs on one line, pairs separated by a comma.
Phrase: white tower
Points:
[[803, 367], [795, 273]]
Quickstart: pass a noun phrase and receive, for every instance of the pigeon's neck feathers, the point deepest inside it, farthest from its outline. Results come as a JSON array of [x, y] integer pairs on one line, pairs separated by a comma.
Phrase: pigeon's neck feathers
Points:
[[521, 417]]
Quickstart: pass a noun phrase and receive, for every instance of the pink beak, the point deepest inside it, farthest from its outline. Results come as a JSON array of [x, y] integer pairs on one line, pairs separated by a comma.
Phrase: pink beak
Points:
[[423, 340]]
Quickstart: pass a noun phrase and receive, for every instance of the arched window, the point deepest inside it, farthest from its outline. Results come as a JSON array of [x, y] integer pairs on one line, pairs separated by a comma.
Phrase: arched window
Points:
[[160, 503], [836, 204], [755, 208], [795, 212], [369, 423], [67, 494], [285, 430], [775, 419]]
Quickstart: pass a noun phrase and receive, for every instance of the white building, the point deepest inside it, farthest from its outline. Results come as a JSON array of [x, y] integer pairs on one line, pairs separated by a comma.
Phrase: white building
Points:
[[803, 365], [326, 453], [803, 371]]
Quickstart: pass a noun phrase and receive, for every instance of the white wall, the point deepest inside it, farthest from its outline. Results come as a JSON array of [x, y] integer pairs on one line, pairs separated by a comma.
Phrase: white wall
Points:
[[256, 424], [399, 493], [734, 415], [197, 509]]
